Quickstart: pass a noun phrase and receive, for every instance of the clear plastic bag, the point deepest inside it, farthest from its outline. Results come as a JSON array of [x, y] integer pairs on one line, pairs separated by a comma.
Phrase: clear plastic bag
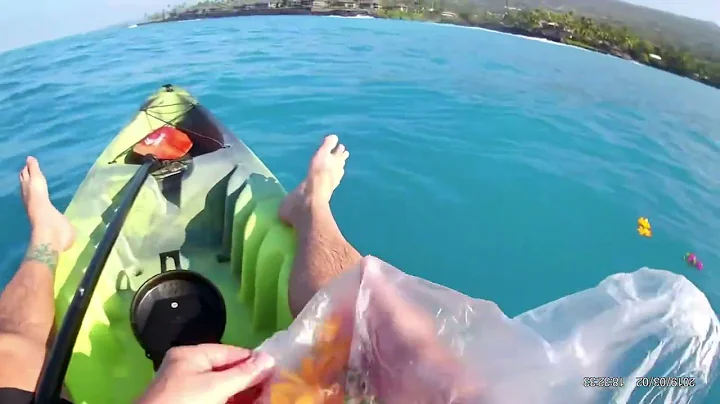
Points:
[[379, 335]]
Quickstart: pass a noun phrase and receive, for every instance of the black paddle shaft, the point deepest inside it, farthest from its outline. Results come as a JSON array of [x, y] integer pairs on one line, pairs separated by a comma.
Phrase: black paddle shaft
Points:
[[53, 374]]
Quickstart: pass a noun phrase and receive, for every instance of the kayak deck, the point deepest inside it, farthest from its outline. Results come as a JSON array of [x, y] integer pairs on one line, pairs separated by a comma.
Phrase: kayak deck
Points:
[[220, 214]]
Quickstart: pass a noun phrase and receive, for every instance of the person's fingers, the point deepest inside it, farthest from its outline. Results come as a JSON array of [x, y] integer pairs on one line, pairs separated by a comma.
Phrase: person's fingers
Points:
[[207, 357], [219, 356], [243, 376]]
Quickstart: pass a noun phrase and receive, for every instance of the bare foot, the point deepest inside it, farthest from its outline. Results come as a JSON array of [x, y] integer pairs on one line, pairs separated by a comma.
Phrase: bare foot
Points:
[[327, 168], [47, 223]]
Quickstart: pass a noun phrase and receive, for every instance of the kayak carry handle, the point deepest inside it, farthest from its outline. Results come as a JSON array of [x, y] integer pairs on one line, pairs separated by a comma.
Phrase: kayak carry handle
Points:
[[53, 373]]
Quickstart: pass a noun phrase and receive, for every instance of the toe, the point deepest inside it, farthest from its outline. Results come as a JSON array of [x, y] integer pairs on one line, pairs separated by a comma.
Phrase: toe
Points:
[[328, 144], [339, 150], [345, 154], [24, 174], [33, 166]]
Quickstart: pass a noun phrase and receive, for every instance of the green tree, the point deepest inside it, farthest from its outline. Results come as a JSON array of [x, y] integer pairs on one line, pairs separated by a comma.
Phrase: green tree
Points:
[[568, 19]]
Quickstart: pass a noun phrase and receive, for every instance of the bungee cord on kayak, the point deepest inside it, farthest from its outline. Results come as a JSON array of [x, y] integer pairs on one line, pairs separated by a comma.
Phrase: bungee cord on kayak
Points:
[[148, 115], [195, 134]]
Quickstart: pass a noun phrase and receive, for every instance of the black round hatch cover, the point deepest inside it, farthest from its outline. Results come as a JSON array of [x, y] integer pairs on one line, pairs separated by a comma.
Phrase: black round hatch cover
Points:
[[176, 308]]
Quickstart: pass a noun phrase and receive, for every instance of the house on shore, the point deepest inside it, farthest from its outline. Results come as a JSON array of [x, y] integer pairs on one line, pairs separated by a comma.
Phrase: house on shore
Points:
[[369, 5], [300, 3], [346, 4], [554, 32], [258, 6]]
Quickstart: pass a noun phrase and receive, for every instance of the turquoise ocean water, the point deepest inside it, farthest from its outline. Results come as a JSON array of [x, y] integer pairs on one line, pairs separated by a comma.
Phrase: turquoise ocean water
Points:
[[509, 169]]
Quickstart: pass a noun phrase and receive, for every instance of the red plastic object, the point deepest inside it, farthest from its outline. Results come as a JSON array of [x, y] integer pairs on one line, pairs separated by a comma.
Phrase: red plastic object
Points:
[[165, 143], [248, 396]]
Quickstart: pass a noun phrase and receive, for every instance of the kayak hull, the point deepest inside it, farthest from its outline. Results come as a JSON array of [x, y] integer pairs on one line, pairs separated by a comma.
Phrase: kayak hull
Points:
[[219, 214]]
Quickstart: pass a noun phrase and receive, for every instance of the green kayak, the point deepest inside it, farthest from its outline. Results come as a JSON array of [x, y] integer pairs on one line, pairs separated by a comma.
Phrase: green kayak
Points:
[[212, 214]]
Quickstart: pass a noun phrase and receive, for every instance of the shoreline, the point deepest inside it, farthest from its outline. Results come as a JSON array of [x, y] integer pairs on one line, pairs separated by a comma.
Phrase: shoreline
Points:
[[539, 35], [263, 11]]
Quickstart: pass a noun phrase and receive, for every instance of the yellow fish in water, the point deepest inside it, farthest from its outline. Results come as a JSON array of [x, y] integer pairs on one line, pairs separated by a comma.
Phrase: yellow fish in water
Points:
[[645, 232], [644, 228]]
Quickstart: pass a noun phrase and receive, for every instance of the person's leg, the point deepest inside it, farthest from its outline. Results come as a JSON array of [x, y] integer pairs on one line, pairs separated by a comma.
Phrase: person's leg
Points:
[[27, 305], [322, 253]]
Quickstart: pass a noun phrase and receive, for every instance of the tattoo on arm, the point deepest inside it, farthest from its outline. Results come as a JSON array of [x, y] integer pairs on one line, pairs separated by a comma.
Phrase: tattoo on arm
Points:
[[44, 254]]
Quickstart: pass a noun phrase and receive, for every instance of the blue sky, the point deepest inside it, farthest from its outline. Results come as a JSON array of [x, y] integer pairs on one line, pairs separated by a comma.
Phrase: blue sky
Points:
[[700, 9], [24, 22]]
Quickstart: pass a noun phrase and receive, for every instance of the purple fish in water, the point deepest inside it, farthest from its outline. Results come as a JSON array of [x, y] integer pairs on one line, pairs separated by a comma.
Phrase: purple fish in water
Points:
[[693, 260]]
